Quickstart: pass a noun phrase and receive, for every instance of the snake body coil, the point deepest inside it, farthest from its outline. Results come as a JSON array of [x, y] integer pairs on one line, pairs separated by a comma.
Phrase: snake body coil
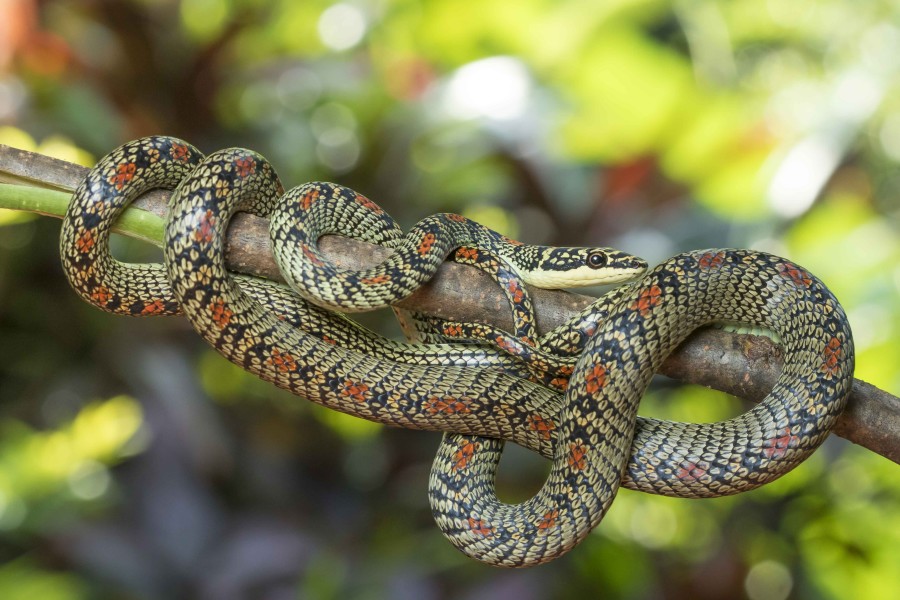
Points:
[[592, 432], [312, 210]]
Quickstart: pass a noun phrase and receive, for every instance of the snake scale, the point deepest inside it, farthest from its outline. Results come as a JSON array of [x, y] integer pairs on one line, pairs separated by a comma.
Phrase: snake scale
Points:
[[473, 392]]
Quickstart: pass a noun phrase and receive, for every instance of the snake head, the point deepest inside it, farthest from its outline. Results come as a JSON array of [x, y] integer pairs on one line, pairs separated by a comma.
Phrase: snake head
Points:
[[556, 267]]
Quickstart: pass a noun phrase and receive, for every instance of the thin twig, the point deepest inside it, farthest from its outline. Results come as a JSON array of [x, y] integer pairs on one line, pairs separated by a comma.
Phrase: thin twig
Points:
[[742, 365]]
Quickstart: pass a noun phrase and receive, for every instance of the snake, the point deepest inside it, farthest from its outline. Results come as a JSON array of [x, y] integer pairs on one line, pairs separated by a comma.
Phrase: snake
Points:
[[591, 433], [315, 209]]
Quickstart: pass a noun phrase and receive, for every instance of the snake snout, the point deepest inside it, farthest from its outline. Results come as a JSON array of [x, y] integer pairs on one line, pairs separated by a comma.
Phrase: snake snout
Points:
[[627, 267], [631, 263]]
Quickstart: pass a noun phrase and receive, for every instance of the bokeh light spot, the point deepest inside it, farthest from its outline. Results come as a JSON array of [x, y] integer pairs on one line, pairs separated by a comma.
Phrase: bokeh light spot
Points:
[[654, 525], [204, 19], [298, 88], [494, 217], [335, 127], [89, 481], [496, 88], [802, 175], [889, 135], [12, 513], [12, 97], [768, 580], [341, 26]]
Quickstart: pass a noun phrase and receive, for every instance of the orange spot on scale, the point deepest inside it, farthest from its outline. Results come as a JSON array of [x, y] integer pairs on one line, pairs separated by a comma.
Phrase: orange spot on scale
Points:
[[508, 344], [832, 357], [376, 280], [426, 244], [515, 290], [560, 383], [595, 380], [690, 471], [795, 274], [154, 308], [101, 295], [462, 456], [542, 426], [311, 256], [452, 330], [777, 447], [548, 520], [244, 166], [124, 173], [85, 241], [466, 253], [577, 458], [204, 233], [363, 201], [282, 361], [221, 315], [480, 527], [180, 152], [358, 392], [448, 406], [649, 298], [456, 217], [307, 199], [710, 261]]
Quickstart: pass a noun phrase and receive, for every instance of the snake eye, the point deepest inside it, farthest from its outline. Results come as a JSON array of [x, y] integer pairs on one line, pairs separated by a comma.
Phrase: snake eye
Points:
[[596, 260]]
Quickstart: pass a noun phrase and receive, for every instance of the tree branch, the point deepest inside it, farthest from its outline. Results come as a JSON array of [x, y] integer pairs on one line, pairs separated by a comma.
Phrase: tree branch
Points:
[[742, 365]]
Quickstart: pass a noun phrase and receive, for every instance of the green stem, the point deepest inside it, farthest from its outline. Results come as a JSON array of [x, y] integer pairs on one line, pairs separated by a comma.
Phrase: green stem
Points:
[[135, 222]]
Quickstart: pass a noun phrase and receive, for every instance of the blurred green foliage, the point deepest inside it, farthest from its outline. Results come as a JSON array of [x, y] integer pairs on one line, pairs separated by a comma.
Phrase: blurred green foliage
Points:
[[649, 125], [21, 580], [65, 464], [49, 479]]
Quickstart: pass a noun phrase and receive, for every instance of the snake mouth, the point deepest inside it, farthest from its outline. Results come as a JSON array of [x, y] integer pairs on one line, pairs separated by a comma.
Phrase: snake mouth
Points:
[[623, 275]]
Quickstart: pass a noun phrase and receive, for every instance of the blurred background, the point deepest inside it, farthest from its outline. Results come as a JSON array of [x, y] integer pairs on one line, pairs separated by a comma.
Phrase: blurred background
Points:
[[135, 463]]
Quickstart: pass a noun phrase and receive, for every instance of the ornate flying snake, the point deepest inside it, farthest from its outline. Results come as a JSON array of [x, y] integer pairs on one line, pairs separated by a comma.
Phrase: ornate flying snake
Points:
[[478, 394]]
